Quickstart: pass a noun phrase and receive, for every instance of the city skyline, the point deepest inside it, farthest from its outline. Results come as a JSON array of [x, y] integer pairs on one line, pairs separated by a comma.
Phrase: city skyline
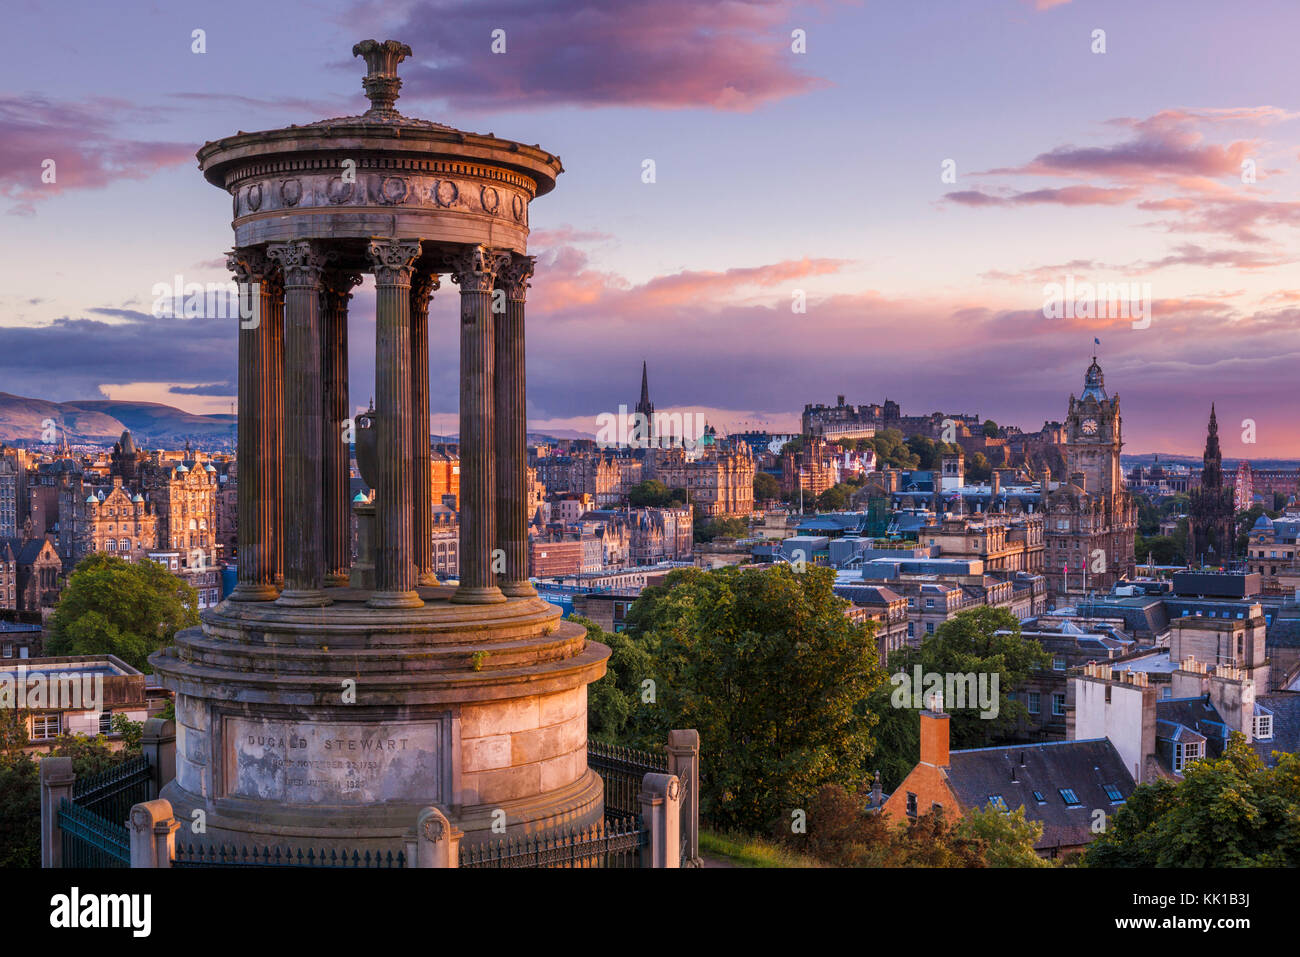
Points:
[[1117, 167]]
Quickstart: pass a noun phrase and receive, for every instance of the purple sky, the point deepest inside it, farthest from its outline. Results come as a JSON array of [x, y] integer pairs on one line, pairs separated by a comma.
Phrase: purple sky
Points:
[[777, 174]]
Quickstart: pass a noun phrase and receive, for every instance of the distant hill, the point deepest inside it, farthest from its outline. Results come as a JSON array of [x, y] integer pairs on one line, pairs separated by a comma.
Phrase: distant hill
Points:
[[151, 424], [102, 421]]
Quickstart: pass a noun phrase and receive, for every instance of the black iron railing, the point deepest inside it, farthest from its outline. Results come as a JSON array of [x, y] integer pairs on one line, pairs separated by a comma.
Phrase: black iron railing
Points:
[[622, 770], [195, 855], [90, 840], [614, 842], [111, 794]]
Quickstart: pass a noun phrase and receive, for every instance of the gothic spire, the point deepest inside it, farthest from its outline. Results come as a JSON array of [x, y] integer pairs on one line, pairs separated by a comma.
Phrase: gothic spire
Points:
[[645, 385]]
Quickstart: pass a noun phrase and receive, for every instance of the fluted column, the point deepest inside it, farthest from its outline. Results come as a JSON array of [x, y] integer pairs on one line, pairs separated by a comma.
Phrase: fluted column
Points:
[[512, 429], [301, 263], [336, 286], [474, 269], [393, 262], [257, 489], [275, 413], [423, 286]]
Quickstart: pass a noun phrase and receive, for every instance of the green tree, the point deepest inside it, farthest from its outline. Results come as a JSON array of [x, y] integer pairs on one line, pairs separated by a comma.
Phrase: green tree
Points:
[[648, 494], [892, 451], [128, 609], [1008, 839], [612, 700], [721, 528], [834, 499], [1158, 550], [765, 664], [1231, 811], [990, 429], [766, 487], [978, 469]]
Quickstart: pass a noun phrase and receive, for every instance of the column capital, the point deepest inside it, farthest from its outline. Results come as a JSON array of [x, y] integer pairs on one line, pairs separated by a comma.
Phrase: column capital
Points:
[[393, 260], [303, 260], [475, 268], [423, 286], [514, 277], [253, 265], [339, 283]]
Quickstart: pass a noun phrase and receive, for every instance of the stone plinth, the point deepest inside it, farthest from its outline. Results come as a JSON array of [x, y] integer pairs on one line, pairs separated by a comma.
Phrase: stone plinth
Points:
[[335, 726]]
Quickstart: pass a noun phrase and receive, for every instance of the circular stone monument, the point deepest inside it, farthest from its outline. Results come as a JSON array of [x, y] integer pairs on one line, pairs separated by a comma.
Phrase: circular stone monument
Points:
[[322, 704]]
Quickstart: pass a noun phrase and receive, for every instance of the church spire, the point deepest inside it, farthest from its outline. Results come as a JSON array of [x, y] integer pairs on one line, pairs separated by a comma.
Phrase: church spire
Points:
[[645, 385]]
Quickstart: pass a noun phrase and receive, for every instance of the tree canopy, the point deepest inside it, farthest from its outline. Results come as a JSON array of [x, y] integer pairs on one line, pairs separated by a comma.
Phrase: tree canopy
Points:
[[1230, 811], [765, 664], [128, 609]]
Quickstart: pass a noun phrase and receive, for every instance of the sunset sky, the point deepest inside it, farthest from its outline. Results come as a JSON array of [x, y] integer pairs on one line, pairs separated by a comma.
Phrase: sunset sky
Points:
[[777, 172]]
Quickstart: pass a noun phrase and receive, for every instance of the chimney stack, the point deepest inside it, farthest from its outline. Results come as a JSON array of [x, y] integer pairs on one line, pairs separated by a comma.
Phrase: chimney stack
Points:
[[934, 738]]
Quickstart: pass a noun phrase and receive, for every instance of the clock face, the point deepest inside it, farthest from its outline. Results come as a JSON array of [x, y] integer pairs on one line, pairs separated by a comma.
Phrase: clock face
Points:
[[1089, 426]]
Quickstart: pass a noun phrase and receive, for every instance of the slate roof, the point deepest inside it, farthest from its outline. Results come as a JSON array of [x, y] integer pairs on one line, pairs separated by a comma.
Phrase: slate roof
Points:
[[1082, 766], [1285, 708], [867, 594], [1195, 715]]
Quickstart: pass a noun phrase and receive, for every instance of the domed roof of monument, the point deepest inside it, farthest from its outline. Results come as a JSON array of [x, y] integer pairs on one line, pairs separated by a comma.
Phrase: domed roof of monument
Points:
[[1263, 522], [382, 128]]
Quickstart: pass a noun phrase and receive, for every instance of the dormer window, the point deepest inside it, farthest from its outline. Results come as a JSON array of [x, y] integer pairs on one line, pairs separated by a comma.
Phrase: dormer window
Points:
[[1113, 792], [1263, 727], [1069, 797]]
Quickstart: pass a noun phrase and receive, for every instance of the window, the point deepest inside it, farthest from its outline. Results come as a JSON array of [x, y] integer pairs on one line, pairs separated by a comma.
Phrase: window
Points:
[[997, 801], [1058, 663], [911, 804], [929, 603], [1263, 730], [106, 722], [1032, 703], [911, 629], [1113, 793], [929, 628], [45, 725], [1185, 754], [1038, 796], [1058, 703], [1069, 797]]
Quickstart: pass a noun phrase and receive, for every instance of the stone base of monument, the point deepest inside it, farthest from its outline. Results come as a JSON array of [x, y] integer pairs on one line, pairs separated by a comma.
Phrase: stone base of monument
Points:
[[333, 726]]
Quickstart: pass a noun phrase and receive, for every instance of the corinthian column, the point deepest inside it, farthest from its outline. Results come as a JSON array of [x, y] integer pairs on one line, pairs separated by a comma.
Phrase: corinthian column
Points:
[[423, 286], [301, 262], [512, 429], [474, 269], [257, 491], [393, 261], [335, 292]]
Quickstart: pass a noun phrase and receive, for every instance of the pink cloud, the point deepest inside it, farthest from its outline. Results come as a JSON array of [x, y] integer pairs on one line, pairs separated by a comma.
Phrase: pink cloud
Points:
[[87, 151], [671, 54], [1064, 196]]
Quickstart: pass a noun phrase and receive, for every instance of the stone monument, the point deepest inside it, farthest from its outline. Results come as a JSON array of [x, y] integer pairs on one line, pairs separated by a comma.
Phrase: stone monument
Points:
[[325, 706]]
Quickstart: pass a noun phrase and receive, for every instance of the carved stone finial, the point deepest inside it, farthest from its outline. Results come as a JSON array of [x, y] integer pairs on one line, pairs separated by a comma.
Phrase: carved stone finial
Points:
[[381, 83]]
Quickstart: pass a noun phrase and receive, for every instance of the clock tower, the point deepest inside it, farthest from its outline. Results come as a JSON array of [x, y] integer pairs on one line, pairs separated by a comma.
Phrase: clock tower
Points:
[[1093, 436], [1091, 519]]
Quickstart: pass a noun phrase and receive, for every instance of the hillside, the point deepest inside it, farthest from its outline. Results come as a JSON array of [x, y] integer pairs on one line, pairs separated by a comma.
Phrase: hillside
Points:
[[102, 421]]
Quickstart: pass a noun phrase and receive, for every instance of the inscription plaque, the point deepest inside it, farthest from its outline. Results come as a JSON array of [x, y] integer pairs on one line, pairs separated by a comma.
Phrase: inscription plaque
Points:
[[328, 762]]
